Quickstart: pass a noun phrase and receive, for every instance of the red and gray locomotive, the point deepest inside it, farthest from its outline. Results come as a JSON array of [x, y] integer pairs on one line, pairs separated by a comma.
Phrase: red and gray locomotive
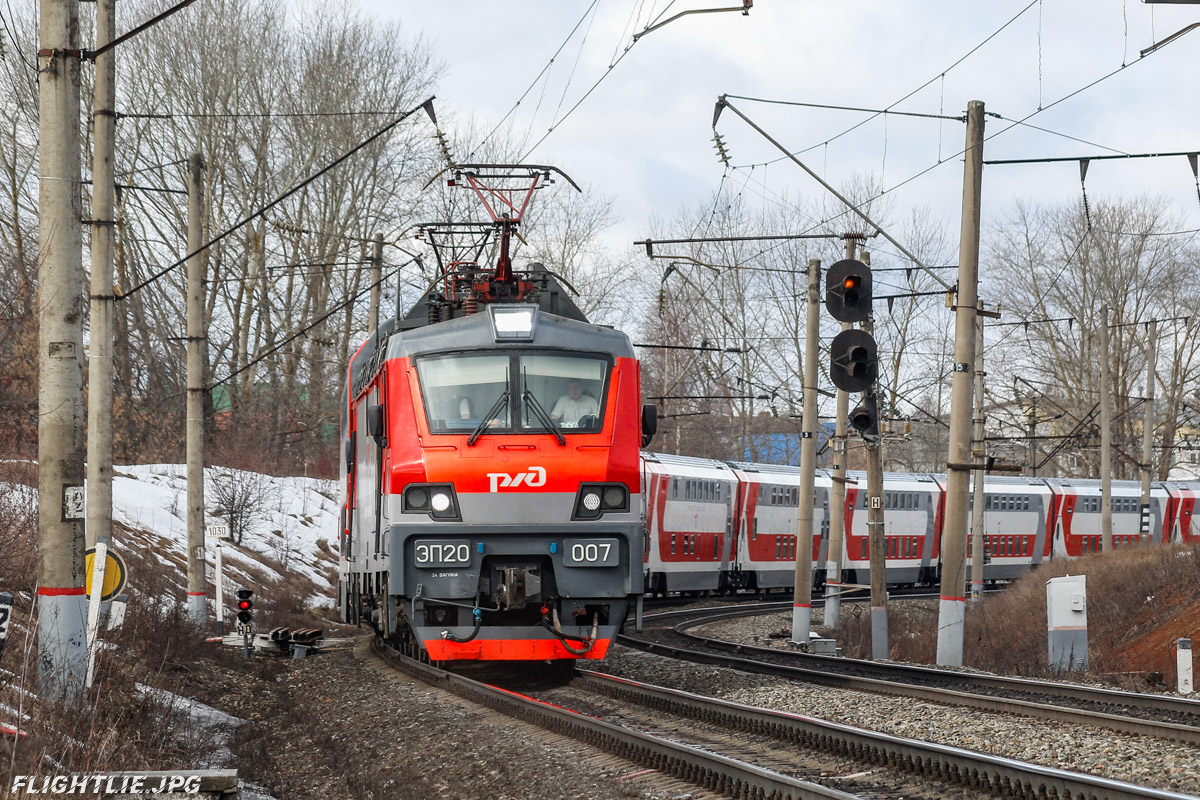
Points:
[[492, 498]]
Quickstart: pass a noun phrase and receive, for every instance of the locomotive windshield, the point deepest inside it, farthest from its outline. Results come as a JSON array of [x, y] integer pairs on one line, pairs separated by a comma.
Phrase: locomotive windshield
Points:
[[551, 391], [460, 390], [570, 388]]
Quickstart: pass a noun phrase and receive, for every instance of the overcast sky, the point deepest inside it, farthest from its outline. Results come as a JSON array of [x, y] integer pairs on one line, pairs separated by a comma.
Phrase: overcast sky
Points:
[[644, 135]]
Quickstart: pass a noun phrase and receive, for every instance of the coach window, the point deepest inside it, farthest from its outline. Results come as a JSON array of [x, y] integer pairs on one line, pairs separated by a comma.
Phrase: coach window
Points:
[[459, 392]]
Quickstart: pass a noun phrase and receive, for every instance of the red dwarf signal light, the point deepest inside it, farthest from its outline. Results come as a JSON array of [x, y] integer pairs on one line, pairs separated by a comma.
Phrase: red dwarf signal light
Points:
[[245, 605]]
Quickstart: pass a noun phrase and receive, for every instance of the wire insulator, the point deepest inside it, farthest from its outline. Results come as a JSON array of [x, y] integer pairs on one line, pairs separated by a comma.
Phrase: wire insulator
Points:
[[444, 147], [1087, 211], [722, 153]]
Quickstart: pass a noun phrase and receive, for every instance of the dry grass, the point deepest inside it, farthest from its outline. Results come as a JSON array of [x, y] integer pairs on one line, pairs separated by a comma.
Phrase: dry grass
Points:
[[1132, 594]]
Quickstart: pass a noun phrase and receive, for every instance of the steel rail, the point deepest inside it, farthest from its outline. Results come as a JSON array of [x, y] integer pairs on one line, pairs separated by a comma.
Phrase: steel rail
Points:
[[708, 770], [977, 770], [1141, 727], [1095, 694]]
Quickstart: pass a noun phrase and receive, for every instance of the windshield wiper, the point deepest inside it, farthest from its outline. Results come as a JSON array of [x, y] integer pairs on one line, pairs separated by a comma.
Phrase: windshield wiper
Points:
[[487, 418], [549, 424]]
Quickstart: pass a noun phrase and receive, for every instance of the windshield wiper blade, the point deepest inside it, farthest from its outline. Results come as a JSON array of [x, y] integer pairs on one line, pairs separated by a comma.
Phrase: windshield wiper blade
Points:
[[487, 418], [544, 417]]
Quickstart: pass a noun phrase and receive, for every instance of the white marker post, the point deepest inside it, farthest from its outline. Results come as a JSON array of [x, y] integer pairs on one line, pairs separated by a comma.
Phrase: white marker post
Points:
[[220, 533], [99, 558], [1183, 661]]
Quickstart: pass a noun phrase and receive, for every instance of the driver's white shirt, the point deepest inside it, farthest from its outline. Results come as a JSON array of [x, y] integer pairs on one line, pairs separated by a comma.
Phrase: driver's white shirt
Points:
[[569, 411]]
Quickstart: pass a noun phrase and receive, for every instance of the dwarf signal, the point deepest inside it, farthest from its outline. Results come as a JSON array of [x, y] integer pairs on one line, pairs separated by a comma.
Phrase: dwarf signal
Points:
[[245, 605]]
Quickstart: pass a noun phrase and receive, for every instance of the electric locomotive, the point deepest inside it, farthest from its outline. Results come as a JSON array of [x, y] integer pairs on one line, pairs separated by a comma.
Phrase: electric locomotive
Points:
[[493, 501]]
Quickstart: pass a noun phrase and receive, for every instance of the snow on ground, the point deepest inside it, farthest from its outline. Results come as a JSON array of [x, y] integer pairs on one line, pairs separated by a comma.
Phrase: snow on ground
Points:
[[289, 522], [205, 721]]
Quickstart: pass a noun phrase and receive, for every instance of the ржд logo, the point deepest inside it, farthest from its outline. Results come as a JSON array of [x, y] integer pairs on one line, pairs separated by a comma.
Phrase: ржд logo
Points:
[[536, 476]]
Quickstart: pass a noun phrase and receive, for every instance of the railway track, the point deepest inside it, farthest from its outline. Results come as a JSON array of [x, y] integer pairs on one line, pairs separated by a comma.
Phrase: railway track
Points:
[[1160, 716], [742, 751]]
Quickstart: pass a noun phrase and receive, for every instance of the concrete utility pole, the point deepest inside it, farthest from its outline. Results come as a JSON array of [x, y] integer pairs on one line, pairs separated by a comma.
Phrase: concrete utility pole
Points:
[[877, 536], [837, 501], [62, 653], [100, 348], [802, 597], [952, 604], [376, 275], [258, 266], [876, 533], [1031, 424], [1105, 437], [1148, 425], [979, 454], [197, 587]]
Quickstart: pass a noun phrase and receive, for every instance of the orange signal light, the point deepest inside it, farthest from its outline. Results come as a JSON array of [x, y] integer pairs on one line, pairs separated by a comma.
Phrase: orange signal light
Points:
[[851, 282]]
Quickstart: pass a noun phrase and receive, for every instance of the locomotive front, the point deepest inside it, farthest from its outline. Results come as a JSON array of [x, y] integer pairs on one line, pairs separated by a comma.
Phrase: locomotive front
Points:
[[509, 503]]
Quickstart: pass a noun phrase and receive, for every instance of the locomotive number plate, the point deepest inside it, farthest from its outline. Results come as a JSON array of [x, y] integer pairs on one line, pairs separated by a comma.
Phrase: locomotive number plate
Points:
[[591, 553], [442, 553]]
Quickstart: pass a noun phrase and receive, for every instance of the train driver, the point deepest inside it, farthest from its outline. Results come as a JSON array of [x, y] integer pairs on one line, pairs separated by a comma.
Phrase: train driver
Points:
[[574, 405]]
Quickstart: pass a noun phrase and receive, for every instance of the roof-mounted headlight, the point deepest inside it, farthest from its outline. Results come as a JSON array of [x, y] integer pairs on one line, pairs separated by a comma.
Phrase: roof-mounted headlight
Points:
[[513, 323]]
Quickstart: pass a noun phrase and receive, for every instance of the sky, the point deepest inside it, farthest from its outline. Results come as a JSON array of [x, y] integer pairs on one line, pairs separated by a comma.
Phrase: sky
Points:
[[644, 134]]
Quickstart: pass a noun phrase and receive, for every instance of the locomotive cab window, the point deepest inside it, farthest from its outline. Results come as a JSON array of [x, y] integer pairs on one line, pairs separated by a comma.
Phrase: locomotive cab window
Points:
[[506, 393], [461, 390], [568, 388]]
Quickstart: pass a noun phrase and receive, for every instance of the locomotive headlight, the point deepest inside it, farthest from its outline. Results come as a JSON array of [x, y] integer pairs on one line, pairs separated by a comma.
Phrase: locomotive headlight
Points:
[[418, 498], [594, 499], [513, 323], [615, 497], [434, 499]]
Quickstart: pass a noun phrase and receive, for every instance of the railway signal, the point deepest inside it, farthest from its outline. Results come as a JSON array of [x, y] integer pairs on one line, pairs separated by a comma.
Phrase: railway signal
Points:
[[245, 618], [854, 363], [245, 606], [865, 418], [848, 291]]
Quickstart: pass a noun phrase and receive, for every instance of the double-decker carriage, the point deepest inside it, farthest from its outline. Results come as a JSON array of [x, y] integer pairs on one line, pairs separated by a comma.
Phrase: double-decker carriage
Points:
[[493, 499]]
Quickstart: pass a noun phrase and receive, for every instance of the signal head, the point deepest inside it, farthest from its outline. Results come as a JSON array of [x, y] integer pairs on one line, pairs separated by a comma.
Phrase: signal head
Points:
[[848, 291], [245, 605], [853, 361], [865, 419]]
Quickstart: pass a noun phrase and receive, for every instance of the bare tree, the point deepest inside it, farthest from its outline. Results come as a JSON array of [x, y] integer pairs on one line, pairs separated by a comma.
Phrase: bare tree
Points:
[[240, 499], [1060, 265]]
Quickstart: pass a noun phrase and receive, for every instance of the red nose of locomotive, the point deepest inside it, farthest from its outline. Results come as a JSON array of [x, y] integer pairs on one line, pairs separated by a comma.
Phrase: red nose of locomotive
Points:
[[510, 507]]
